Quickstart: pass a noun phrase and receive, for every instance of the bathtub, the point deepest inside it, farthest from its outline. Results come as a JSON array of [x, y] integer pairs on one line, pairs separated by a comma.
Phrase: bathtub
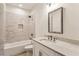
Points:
[[12, 49]]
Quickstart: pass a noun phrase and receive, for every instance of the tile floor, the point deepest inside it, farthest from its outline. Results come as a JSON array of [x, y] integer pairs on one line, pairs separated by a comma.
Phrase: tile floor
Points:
[[25, 53]]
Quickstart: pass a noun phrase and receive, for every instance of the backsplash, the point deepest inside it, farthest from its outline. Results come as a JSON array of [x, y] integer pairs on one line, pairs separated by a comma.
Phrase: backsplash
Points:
[[76, 42]]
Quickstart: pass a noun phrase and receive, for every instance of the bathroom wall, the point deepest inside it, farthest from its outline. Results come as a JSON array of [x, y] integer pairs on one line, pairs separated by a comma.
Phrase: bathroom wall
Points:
[[41, 20], [17, 24], [70, 21], [1, 29]]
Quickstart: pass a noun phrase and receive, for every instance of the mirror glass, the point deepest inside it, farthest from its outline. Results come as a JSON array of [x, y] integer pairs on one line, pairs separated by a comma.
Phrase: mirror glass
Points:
[[55, 21]]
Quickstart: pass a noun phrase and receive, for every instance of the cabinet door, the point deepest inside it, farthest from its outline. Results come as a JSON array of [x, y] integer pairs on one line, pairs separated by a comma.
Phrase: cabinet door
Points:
[[42, 53], [35, 51], [39, 52]]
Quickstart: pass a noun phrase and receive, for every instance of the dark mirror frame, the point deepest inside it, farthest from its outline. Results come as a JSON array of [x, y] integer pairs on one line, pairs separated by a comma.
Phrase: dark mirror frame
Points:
[[50, 25]]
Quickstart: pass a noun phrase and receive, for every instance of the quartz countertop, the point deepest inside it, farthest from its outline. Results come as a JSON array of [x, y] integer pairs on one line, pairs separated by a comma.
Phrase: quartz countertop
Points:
[[62, 47]]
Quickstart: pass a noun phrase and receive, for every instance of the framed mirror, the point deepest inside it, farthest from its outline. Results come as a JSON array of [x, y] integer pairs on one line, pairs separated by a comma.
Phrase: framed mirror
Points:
[[55, 21]]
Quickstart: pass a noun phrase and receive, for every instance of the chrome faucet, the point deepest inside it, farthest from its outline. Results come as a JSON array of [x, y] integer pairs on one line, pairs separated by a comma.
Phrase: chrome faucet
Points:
[[54, 39], [50, 37]]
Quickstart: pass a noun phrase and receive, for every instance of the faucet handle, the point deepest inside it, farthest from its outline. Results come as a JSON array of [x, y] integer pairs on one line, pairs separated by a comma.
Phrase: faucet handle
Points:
[[49, 37]]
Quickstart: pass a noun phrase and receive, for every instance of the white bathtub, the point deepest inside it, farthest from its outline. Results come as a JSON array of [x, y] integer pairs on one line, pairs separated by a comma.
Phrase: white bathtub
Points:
[[15, 48]]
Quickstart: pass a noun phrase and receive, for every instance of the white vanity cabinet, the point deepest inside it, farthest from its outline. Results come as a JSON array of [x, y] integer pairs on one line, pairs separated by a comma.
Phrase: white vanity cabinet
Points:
[[41, 50]]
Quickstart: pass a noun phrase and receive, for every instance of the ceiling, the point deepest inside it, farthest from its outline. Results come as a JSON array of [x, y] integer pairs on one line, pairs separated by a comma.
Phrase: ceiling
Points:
[[27, 6]]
